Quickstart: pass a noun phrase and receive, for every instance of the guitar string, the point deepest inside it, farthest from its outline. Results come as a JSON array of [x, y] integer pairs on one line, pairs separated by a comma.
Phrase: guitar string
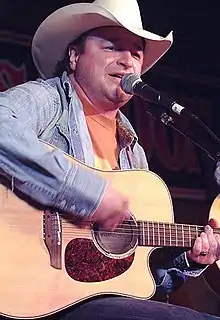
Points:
[[136, 234], [171, 242], [156, 229], [167, 240], [173, 234], [166, 228], [146, 224], [67, 227], [170, 235]]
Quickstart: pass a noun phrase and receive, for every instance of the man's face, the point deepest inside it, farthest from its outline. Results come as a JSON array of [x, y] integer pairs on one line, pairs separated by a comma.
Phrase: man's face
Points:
[[109, 53]]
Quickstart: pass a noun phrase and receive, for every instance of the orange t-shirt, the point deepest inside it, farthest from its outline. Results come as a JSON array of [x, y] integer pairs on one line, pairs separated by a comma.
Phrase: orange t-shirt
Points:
[[103, 134]]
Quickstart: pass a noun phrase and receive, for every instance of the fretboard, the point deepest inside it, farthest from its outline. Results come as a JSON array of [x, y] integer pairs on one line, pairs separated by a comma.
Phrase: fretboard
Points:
[[157, 234]]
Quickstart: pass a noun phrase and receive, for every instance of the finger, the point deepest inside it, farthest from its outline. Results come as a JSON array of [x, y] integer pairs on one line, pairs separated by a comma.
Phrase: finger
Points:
[[108, 225], [211, 251], [217, 237], [206, 238], [125, 206], [213, 223], [212, 246], [114, 223], [197, 247], [127, 215], [211, 239], [125, 212]]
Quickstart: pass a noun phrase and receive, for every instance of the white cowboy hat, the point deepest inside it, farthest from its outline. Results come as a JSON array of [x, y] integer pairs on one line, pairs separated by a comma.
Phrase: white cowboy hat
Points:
[[66, 24]]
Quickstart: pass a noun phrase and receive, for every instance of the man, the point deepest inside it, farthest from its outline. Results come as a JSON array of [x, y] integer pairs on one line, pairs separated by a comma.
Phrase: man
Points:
[[78, 112]]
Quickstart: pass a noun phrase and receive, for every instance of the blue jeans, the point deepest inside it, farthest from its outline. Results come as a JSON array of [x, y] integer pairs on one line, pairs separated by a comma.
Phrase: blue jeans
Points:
[[119, 308]]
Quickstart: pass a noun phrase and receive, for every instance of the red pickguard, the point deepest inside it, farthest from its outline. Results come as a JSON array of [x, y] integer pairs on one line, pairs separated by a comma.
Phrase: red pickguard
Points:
[[85, 263]]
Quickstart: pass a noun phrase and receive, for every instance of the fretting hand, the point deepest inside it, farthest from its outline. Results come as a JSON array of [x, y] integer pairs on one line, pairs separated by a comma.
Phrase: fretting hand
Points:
[[206, 249]]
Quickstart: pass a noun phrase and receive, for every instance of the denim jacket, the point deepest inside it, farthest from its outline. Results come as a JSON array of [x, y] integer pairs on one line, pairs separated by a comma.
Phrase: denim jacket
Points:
[[50, 110]]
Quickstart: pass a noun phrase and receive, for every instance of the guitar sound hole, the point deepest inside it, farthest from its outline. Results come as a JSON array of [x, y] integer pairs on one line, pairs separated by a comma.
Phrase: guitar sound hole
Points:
[[119, 243]]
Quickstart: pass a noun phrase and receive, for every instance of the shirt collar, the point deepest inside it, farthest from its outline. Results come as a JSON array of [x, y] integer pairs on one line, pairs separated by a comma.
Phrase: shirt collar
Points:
[[127, 135]]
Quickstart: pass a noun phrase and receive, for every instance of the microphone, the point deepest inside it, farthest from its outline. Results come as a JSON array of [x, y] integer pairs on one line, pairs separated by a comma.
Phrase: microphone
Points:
[[132, 84]]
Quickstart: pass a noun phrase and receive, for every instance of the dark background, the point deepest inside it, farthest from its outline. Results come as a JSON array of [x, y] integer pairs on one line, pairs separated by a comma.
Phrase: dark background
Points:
[[195, 25], [189, 73]]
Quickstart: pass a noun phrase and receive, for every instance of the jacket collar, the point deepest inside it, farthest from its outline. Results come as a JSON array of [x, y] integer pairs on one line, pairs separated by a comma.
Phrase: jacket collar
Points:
[[127, 135]]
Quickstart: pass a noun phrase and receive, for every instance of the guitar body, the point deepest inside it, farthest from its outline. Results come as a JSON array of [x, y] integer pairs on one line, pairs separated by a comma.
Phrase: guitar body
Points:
[[31, 287]]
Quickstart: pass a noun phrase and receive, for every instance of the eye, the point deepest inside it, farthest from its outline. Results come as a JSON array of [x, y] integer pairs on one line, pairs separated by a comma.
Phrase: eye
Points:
[[136, 54], [110, 48]]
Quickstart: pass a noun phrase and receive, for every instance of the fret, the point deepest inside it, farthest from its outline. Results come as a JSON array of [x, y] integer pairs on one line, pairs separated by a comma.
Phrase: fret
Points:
[[143, 226], [153, 235], [183, 238], [158, 233], [164, 234], [190, 236], [167, 234], [177, 236], [151, 232], [197, 231], [170, 229], [174, 235], [148, 233]]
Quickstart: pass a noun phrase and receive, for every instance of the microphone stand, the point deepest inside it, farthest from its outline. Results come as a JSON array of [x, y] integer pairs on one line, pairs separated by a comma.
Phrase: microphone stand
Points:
[[169, 122]]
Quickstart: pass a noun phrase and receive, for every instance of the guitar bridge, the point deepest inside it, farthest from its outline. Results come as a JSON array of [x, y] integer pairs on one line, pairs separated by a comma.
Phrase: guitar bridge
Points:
[[52, 234]]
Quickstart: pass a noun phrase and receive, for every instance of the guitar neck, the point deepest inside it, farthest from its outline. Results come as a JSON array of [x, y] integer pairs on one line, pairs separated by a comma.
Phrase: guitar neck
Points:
[[164, 234]]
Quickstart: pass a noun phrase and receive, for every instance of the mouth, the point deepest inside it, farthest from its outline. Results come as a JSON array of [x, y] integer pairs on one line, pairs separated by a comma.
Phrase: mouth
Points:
[[117, 75]]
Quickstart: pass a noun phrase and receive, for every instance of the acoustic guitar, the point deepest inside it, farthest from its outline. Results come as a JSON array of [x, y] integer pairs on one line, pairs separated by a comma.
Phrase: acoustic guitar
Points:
[[49, 263]]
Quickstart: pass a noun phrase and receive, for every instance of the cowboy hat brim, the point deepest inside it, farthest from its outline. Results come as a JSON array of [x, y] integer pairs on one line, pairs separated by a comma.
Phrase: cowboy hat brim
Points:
[[65, 25]]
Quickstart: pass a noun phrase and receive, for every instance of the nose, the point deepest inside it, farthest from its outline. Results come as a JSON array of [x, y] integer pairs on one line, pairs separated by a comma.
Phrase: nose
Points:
[[125, 59]]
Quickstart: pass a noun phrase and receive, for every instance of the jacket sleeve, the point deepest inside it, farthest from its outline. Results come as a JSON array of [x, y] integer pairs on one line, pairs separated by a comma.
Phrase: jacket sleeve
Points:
[[45, 176], [172, 269]]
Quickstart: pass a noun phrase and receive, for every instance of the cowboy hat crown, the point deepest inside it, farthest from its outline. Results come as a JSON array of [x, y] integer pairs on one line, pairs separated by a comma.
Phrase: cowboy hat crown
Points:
[[66, 24], [124, 9]]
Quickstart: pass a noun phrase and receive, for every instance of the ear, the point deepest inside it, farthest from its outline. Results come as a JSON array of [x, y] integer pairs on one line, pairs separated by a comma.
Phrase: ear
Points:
[[73, 58]]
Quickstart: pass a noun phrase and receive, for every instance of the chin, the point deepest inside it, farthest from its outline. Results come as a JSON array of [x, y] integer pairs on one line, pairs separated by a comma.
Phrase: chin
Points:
[[124, 99], [119, 101], [121, 96], [117, 97]]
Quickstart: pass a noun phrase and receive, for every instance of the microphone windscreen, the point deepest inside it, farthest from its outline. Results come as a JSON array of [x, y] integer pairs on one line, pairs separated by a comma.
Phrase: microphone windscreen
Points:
[[128, 81]]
